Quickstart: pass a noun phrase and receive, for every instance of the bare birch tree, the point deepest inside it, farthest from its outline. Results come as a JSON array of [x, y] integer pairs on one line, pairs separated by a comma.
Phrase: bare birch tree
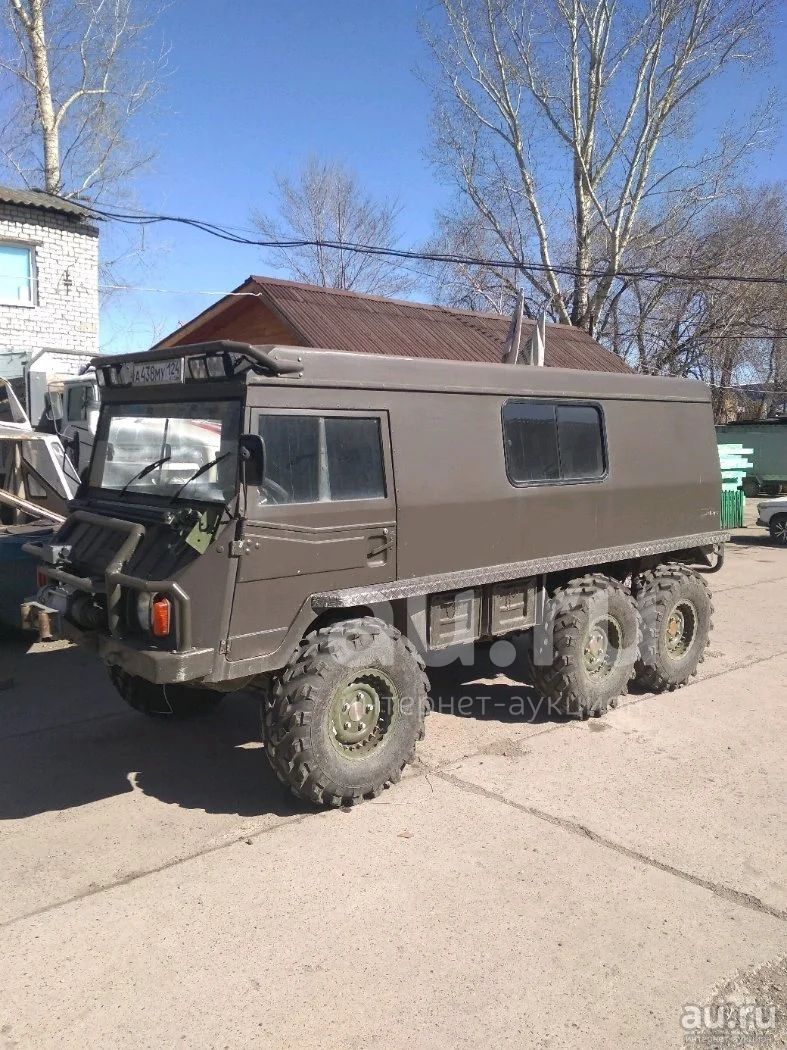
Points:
[[725, 333], [324, 201], [77, 74], [566, 127]]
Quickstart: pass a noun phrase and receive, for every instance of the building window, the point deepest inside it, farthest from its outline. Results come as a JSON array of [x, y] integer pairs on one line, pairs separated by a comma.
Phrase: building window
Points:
[[552, 442], [17, 275], [313, 458]]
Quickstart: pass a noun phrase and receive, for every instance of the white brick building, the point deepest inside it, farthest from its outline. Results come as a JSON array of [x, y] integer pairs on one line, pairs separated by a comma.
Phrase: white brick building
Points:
[[48, 278]]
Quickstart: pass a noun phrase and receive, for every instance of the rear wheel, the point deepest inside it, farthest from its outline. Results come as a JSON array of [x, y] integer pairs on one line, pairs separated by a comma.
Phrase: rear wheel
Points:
[[751, 487], [676, 609], [344, 717], [174, 701], [594, 642], [778, 529]]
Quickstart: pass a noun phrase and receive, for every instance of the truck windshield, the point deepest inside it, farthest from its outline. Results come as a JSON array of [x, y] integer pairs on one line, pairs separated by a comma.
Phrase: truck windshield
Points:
[[177, 438]]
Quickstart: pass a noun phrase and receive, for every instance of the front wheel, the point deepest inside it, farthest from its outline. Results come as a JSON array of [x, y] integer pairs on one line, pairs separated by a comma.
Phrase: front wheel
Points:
[[172, 701], [675, 607], [778, 529], [343, 718]]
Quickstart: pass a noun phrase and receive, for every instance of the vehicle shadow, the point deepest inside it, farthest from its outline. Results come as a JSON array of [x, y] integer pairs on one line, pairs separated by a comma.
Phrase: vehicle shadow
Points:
[[485, 692], [68, 740], [754, 538], [77, 743]]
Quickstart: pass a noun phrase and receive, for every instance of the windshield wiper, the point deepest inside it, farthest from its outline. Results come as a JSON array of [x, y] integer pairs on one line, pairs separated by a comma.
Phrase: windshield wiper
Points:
[[145, 471], [198, 472]]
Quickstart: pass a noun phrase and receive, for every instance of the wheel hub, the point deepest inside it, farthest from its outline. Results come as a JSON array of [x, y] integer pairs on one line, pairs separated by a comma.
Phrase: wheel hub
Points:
[[362, 712], [602, 646], [780, 531], [681, 628]]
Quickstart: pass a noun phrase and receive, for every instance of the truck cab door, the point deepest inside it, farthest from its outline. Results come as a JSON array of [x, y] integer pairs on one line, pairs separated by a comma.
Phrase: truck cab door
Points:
[[323, 518]]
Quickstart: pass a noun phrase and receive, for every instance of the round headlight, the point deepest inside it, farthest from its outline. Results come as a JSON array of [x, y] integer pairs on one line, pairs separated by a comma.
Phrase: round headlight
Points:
[[144, 602]]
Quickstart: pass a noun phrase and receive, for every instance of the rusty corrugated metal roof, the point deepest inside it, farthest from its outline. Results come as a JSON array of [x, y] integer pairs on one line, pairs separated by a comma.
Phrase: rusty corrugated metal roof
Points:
[[350, 321]]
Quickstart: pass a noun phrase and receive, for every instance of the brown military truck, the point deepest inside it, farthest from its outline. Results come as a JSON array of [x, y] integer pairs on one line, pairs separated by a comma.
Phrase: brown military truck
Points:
[[317, 523]]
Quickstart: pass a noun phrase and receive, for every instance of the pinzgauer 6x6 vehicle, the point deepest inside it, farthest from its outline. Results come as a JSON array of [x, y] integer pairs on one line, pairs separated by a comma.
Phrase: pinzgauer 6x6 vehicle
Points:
[[316, 523]]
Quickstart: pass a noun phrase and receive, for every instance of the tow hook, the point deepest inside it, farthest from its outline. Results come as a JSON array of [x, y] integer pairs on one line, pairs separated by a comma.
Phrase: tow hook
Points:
[[42, 619]]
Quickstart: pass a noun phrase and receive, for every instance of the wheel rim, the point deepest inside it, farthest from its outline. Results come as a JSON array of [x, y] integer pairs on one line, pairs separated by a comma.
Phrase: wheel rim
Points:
[[780, 531], [681, 629], [602, 647], [363, 710]]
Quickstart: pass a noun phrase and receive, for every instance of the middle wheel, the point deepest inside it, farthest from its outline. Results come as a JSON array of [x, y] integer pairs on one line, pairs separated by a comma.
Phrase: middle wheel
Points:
[[589, 648]]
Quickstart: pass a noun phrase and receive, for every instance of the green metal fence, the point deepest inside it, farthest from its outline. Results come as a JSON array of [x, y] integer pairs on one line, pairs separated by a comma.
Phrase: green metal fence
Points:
[[734, 463]]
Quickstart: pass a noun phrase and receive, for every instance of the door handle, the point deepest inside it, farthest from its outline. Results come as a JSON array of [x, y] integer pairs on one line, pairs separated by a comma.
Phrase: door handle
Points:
[[380, 550], [379, 545]]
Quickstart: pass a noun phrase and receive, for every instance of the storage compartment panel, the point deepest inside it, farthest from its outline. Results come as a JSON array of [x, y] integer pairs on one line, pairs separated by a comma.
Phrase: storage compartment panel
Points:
[[512, 605], [454, 618]]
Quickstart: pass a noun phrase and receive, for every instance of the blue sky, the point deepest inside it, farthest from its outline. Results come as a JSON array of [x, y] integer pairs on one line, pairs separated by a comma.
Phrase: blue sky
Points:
[[255, 86]]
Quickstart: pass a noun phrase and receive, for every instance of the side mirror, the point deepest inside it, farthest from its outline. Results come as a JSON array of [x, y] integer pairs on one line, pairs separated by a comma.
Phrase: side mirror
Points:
[[252, 455]]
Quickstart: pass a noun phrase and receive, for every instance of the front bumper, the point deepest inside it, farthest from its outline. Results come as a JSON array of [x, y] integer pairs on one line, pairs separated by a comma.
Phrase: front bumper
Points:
[[50, 613], [153, 665]]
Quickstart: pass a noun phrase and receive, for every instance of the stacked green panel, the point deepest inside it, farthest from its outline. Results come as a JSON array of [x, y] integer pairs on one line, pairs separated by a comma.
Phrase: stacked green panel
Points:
[[734, 464]]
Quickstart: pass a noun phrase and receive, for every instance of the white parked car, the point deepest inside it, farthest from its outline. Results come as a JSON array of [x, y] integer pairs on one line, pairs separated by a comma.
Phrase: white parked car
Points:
[[772, 513]]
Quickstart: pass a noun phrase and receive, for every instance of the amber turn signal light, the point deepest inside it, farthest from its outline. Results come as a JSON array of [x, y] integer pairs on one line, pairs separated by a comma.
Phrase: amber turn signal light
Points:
[[160, 616]]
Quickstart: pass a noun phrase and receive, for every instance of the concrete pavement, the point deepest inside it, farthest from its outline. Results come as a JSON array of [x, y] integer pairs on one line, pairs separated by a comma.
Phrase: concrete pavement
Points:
[[547, 884]]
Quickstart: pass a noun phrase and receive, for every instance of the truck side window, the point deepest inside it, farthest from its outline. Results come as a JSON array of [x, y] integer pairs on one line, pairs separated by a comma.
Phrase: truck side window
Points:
[[530, 430], [549, 441], [314, 458], [355, 462], [76, 406], [581, 447], [292, 457]]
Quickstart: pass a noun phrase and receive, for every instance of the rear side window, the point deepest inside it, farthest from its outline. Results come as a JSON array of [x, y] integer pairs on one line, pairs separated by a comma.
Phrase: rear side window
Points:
[[313, 458], [581, 442], [552, 442]]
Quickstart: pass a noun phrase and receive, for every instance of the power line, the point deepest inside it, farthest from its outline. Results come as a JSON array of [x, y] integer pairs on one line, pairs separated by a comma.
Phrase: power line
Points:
[[746, 331], [177, 291], [449, 258]]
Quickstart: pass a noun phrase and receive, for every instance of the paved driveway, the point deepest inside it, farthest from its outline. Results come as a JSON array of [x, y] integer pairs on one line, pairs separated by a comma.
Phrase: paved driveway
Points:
[[546, 884]]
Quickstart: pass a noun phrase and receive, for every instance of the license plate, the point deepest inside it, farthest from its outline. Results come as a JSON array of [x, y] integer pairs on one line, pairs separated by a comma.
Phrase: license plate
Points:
[[146, 373]]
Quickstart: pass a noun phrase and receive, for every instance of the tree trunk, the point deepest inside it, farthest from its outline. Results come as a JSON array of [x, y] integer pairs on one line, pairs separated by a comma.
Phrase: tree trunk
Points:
[[579, 308], [46, 109], [725, 383]]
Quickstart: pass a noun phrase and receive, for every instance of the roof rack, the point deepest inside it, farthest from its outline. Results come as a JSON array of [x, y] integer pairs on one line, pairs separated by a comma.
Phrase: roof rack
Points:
[[267, 359]]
